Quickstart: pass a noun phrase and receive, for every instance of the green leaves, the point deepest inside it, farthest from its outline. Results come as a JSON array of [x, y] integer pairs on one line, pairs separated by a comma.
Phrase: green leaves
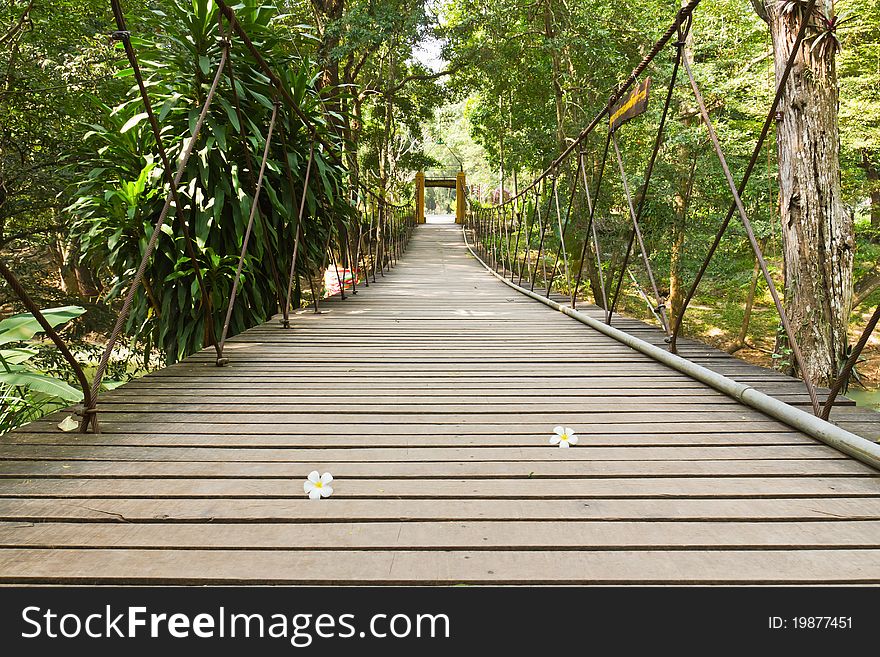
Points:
[[133, 121], [24, 326], [18, 356], [41, 383], [122, 187], [26, 392]]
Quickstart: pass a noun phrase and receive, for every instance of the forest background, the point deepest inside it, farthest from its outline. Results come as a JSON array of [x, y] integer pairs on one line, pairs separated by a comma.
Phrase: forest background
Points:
[[496, 87]]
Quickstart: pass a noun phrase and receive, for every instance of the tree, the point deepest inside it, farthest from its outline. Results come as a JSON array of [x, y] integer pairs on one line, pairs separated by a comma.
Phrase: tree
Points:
[[380, 95], [817, 231], [48, 69]]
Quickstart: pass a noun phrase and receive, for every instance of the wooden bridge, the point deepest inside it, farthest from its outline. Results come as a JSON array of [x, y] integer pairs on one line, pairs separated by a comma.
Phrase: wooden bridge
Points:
[[431, 397]]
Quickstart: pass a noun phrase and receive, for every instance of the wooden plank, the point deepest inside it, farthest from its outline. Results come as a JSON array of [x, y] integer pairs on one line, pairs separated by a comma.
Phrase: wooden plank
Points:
[[463, 393], [360, 510], [463, 417], [843, 566], [405, 404], [460, 535], [425, 454], [477, 428], [432, 469], [528, 488], [430, 397], [318, 439]]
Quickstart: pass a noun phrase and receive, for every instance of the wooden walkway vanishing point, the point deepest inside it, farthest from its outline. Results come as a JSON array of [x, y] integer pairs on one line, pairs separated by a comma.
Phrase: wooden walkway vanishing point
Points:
[[431, 397]]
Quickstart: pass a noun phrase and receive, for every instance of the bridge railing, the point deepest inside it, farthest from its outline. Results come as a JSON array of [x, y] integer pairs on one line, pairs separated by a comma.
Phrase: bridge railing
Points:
[[369, 242], [383, 232], [528, 238]]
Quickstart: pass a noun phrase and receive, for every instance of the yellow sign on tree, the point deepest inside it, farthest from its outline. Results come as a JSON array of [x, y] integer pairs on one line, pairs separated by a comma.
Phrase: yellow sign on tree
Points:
[[630, 107]]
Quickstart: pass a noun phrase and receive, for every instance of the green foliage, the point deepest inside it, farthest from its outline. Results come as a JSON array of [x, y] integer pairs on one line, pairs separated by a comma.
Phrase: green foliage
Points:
[[26, 392], [859, 70], [123, 184], [47, 67], [380, 91], [538, 70]]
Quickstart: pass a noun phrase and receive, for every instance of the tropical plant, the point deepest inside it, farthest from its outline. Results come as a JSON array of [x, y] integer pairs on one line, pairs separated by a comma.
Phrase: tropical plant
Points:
[[26, 392], [123, 183]]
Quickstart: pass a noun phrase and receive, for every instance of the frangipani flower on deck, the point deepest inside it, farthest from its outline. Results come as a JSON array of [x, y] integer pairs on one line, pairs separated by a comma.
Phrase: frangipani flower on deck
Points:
[[318, 485], [564, 437], [68, 424]]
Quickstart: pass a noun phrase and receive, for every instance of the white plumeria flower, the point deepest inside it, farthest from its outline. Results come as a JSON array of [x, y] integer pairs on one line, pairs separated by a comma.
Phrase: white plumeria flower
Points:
[[564, 437], [318, 485]]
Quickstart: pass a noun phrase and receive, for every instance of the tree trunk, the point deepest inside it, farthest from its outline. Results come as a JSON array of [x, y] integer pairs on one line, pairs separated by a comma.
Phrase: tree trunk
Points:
[[558, 92], [592, 270], [385, 142], [500, 151], [352, 133], [86, 280], [750, 305], [60, 251], [327, 13], [817, 232]]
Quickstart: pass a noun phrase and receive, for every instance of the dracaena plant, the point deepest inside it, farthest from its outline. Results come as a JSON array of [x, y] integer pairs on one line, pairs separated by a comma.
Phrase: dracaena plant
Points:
[[123, 186], [824, 40]]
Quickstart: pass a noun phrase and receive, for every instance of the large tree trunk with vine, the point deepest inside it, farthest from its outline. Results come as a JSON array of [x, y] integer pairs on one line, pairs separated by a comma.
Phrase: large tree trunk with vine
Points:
[[817, 231]]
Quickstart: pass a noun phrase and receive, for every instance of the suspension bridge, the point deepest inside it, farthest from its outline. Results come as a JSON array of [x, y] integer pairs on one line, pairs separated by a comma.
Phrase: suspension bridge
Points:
[[430, 396], [430, 391]]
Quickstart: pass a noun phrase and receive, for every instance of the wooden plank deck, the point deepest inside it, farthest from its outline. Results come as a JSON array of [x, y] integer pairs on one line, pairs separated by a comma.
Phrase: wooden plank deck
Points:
[[431, 397]]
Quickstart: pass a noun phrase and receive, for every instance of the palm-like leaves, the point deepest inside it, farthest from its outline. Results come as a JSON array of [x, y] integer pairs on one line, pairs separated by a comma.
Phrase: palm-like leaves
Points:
[[121, 194], [824, 41]]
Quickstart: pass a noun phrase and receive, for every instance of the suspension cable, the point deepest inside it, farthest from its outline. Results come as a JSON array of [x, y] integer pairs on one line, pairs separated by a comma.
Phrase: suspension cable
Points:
[[151, 244], [591, 226], [56, 338], [683, 29], [249, 162], [563, 228], [783, 316], [123, 35], [756, 152], [299, 231], [848, 367], [538, 260], [221, 359]]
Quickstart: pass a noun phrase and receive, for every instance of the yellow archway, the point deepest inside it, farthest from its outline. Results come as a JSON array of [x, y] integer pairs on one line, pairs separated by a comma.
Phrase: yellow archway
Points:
[[456, 183]]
